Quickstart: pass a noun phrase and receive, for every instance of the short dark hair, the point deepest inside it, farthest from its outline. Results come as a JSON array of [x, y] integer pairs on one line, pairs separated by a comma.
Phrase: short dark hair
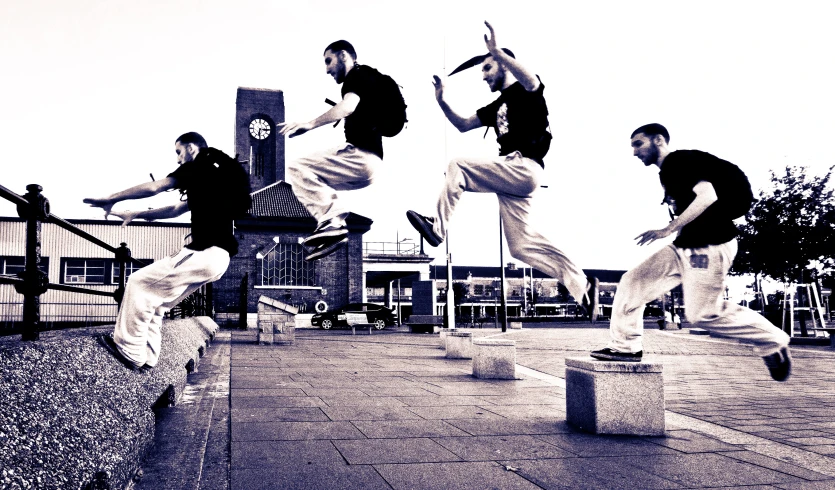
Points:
[[341, 45], [651, 130], [192, 137]]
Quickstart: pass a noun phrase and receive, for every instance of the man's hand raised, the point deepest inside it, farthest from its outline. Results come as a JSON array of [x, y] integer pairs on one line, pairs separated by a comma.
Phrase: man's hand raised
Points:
[[293, 129], [492, 48], [439, 87], [103, 203]]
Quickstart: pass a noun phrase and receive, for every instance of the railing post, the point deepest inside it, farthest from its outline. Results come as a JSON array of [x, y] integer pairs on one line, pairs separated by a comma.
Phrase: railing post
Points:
[[123, 257], [242, 302], [35, 281], [210, 305]]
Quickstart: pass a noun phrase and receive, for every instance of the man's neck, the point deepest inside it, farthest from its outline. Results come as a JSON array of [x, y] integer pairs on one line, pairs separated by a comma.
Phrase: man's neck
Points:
[[662, 155], [509, 80]]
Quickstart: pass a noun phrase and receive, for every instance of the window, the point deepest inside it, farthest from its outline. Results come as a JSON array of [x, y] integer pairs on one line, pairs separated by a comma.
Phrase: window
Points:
[[130, 269], [284, 265], [94, 271], [478, 290], [11, 265], [84, 271]]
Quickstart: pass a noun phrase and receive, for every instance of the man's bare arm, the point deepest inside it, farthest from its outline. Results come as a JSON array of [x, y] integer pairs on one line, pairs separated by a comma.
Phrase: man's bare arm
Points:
[[153, 214], [461, 123], [705, 196], [525, 77], [140, 191], [340, 111]]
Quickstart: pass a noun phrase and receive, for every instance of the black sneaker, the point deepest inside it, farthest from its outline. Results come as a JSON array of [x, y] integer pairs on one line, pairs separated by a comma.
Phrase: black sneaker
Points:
[[424, 226], [326, 248], [591, 299], [779, 364], [106, 341], [608, 354], [324, 234]]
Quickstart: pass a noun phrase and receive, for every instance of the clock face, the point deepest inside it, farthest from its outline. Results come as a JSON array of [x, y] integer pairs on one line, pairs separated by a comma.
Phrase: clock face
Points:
[[259, 129]]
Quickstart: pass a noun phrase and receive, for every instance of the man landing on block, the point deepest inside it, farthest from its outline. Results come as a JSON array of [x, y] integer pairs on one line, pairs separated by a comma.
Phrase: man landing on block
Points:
[[216, 191], [520, 119], [707, 194]]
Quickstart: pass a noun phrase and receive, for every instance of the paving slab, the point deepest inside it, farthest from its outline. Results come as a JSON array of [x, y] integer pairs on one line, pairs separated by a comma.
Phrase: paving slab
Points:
[[404, 450], [460, 476], [500, 448]]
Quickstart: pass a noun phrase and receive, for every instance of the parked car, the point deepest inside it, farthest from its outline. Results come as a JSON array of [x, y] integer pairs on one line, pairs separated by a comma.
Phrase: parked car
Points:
[[380, 316]]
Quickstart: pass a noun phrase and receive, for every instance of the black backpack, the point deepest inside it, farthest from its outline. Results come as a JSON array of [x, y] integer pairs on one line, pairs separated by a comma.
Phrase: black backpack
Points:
[[228, 182], [389, 105]]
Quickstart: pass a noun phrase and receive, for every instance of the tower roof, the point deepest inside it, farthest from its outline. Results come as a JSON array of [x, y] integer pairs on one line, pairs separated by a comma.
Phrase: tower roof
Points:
[[277, 201]]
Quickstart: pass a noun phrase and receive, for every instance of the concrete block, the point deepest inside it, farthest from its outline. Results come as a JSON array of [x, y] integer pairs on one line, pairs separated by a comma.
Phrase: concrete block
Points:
[[276, 322], [494, 358], [516, 325], [603, 397], [459, 345]]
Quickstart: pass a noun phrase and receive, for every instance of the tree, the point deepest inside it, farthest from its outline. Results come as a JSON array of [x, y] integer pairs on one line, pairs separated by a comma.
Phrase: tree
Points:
[[791, 229]]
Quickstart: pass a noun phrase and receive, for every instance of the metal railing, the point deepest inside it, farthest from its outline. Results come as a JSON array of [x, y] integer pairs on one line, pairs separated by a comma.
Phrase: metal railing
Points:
[[33, 207], [391, 248]]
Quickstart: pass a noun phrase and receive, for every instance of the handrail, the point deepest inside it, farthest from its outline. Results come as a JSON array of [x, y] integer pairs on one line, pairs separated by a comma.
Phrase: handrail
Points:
[[32, 282], [13, 197]]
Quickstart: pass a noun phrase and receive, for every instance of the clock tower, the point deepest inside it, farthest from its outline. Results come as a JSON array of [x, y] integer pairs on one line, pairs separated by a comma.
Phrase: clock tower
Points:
[[257, 111]]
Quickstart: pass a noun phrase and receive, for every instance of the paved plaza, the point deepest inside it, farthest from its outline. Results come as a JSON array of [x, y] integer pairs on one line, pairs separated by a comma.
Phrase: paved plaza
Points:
[[388, 410]]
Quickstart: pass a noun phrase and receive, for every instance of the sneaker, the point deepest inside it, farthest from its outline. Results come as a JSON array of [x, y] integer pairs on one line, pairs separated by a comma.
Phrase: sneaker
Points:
[[323, 234], [591, 299], [425, 226], [779, 364], [608, 354], [106, 341], [326, 248]]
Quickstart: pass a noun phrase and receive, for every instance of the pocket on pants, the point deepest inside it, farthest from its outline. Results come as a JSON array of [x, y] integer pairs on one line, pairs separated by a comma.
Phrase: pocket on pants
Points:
[[181, 261]]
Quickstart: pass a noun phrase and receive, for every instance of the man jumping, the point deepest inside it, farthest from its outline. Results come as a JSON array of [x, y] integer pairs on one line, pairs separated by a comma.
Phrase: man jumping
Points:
[[520, 119], [317, 177], [707, 194], [216, 191]]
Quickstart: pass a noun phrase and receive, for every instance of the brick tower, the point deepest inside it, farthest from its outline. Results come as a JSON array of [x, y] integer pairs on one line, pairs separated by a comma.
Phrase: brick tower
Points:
[[257, 111]]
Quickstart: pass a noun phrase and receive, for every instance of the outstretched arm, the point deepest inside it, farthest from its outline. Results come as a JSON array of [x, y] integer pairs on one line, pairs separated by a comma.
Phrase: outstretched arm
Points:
[[526, 78], [461, 123], [140, 191], [705, 196], [152, 214], [343, 109]]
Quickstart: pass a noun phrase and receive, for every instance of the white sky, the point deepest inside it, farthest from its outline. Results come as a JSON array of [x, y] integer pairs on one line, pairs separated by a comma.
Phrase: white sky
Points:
[[93, 92]]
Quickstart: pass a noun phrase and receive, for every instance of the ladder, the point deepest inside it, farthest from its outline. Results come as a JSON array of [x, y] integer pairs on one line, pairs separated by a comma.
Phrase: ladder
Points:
[[790, 290]]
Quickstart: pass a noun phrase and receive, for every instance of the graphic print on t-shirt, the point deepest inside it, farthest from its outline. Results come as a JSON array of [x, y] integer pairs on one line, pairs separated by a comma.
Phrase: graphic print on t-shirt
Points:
[[501, 120]]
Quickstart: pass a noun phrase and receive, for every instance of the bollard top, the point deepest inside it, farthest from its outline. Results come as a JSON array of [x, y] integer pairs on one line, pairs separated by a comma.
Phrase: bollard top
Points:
[[589, 364], [493, 342]]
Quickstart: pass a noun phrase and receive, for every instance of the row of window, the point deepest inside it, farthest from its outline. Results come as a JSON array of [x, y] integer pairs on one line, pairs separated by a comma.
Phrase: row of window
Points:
[[75, 271], [284, 265]]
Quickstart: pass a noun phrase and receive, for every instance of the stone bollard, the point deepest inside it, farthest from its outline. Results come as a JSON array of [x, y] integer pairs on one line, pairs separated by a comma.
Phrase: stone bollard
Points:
[[276, 322], [494, 358], [459, 345], [604, 397], [444, 332], [516, 325]]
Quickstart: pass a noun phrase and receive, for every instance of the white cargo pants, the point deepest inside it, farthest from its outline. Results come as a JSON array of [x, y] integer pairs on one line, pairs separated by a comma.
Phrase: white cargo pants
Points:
[[316, 178], [701, 272], [155, 289], [513, 178]]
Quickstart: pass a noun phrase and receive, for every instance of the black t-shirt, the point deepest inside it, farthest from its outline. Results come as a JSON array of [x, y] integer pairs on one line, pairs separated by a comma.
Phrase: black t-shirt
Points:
[[681, 171], [359, 126], [204, 188], [520, 119]]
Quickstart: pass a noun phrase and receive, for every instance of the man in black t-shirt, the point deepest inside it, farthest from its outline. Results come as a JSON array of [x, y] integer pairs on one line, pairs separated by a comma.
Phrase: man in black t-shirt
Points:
[[315, 178], [520, 119], [706, 194], [205, 177]]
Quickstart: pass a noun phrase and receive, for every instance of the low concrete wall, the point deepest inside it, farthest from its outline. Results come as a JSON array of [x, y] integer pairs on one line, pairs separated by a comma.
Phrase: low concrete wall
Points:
[[71, 415]]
